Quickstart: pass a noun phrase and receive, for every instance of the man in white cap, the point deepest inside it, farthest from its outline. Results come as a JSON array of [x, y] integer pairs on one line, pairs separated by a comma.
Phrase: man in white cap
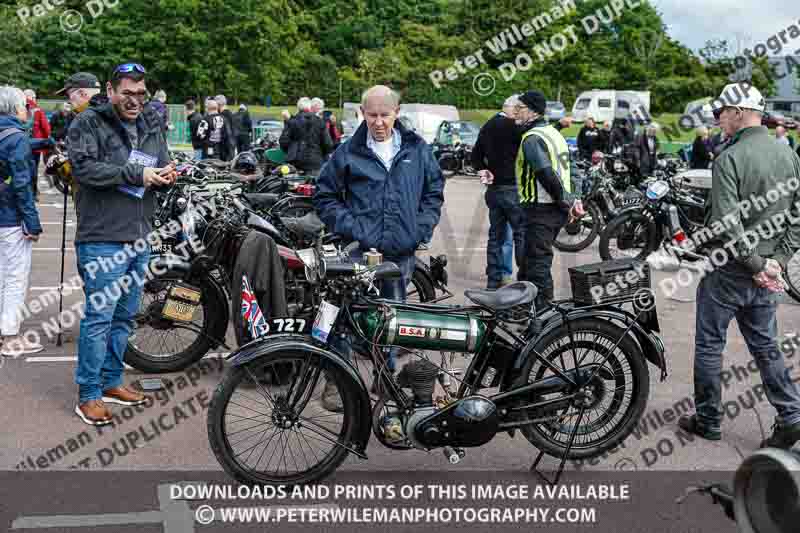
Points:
[[749, 247]]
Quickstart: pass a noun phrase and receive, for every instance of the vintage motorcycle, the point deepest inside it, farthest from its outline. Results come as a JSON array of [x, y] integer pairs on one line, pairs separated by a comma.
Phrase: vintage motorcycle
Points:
[[573, 379], [669, 215], [176, 325]]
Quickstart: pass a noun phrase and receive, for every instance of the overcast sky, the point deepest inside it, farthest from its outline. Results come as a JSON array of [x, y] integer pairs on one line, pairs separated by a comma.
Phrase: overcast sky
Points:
[[692, 22]]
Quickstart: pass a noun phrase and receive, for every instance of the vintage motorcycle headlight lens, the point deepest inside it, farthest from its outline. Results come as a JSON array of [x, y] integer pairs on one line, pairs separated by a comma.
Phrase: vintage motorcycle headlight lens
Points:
[[657, 190]]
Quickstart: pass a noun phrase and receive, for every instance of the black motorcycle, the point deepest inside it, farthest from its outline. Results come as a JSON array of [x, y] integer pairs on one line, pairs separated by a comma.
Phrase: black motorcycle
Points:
[[184, 312], [604, 195], [668, 215], [572, 379], [456, 159]]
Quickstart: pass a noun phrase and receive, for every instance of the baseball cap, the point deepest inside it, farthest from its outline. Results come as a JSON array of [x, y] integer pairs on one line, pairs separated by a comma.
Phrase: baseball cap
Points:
[[742, 95], [534, 100], [81, 80]]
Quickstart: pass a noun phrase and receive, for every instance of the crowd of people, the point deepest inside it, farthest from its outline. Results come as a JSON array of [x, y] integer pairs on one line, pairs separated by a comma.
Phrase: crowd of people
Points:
[[384, 189], [308, 138]]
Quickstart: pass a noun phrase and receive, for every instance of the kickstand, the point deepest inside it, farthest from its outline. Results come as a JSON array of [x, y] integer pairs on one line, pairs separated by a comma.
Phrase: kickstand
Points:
[[555, 481]]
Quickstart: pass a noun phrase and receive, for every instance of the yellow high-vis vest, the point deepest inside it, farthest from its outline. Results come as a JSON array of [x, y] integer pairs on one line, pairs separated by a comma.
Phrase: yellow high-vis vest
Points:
[[557, 149]]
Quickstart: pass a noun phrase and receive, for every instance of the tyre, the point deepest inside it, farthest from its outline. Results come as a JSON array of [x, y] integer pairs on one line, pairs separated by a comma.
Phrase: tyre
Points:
[[632, 235], [253, 424], [615, 405], [421, 287], [160, 345], [792, 277], [581, 233]]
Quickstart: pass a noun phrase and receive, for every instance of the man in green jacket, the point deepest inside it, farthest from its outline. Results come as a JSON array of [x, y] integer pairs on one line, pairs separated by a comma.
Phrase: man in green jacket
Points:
[[752, 230]]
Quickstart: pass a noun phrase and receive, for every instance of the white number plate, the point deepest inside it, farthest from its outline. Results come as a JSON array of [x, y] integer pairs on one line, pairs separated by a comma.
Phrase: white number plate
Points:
[[326, 317]]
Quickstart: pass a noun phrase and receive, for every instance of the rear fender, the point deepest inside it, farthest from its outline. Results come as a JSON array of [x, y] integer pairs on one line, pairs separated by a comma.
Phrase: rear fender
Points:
[[198, 272], [649, 341], [265, 347]]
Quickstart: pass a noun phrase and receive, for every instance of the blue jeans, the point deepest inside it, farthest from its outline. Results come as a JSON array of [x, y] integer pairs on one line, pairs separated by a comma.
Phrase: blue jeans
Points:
[[198, 154], [504, 210], [390, 290], [113, 288], [508, 252], [724, 294]]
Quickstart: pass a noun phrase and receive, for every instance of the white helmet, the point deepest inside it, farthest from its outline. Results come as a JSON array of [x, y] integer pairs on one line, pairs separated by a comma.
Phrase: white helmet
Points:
[[741, 94]]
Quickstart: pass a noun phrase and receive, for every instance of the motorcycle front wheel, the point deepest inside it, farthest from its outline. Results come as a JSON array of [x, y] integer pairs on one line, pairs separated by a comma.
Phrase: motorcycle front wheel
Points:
[[616, 397], [267, 423], [629, 236], [581, 233], [792, 277]]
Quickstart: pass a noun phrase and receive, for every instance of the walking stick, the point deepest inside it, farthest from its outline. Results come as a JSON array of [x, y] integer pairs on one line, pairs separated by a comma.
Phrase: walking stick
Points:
[[63, 252]]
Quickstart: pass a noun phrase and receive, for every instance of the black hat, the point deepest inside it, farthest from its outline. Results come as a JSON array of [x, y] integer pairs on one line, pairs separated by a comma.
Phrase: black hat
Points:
[[81, 80], [535, 101]]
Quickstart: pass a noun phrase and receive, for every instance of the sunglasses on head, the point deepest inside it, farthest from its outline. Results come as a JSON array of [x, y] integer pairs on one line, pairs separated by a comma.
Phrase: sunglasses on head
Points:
[[126, 68]]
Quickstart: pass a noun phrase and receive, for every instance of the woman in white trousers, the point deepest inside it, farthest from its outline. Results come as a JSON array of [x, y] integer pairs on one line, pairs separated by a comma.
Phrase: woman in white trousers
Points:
[[19, 222]]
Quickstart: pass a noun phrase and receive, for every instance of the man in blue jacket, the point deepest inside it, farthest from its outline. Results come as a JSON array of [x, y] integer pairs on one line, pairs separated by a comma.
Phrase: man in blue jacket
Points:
[[382, 188]]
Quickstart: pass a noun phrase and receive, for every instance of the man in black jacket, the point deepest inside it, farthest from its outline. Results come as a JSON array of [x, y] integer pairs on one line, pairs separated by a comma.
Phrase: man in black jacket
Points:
[[306, 140], [243, 124], [588, 139], [194, 118], [218, 142], [222, 102], [496, 151], [647, 147], [118, 155]]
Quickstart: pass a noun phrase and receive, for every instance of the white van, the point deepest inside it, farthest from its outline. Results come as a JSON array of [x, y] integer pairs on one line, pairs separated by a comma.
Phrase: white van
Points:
[[698, 113], [605, 105], [426, 118]]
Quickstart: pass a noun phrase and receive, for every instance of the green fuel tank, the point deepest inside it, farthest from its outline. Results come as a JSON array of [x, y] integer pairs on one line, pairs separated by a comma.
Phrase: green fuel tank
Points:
[[426, 331]]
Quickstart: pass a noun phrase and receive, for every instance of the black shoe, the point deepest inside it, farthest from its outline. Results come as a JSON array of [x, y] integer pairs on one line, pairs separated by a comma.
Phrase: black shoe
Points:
[[690, 425], [783, 437]]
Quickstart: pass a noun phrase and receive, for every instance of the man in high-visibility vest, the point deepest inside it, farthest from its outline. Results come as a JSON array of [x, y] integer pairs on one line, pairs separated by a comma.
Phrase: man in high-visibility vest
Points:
[[545, 190]]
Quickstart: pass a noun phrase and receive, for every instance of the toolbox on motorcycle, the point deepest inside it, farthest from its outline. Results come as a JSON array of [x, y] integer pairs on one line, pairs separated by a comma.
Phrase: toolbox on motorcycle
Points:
[[181, 303], [617, 281]]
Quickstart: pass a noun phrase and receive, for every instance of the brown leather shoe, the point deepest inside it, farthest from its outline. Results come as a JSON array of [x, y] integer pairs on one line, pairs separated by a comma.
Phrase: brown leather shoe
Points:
[[94, 413], [124, 396]]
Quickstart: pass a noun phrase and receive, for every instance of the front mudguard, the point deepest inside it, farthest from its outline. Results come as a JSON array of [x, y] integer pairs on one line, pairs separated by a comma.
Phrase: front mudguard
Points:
[[267, 346], [647, 339]]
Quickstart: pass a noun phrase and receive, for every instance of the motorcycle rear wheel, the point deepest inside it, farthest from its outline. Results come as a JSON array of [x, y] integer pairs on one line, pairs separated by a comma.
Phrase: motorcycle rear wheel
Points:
[[603, 426], [151, 333]]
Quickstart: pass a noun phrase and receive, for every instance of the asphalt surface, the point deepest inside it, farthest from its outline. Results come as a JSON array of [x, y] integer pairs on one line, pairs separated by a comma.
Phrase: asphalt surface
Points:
[[42, 433]]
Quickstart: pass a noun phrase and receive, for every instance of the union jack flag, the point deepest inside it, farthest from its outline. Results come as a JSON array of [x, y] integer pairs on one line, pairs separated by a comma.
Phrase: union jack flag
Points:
[[254, 322]]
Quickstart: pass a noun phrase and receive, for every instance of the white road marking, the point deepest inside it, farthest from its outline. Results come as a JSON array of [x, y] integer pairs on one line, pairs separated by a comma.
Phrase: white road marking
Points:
[[73, 358]]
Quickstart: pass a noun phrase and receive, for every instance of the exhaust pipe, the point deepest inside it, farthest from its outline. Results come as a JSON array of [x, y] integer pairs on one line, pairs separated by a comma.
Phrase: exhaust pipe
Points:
[[766, 491]]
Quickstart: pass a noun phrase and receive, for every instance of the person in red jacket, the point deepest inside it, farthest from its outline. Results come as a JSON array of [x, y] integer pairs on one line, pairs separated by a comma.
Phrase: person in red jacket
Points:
[[40, 130]]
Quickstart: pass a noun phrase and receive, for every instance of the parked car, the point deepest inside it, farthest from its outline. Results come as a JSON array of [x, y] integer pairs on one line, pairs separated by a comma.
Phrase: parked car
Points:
[[555, 111], [275, 127], [773, 119]]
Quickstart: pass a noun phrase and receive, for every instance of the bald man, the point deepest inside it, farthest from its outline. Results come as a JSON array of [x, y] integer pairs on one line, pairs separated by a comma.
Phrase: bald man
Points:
[[384, 189]]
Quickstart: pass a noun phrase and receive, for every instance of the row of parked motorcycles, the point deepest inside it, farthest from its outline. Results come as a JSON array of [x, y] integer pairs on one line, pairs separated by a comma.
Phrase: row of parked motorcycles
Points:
[[634, 217], [572, 379]]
